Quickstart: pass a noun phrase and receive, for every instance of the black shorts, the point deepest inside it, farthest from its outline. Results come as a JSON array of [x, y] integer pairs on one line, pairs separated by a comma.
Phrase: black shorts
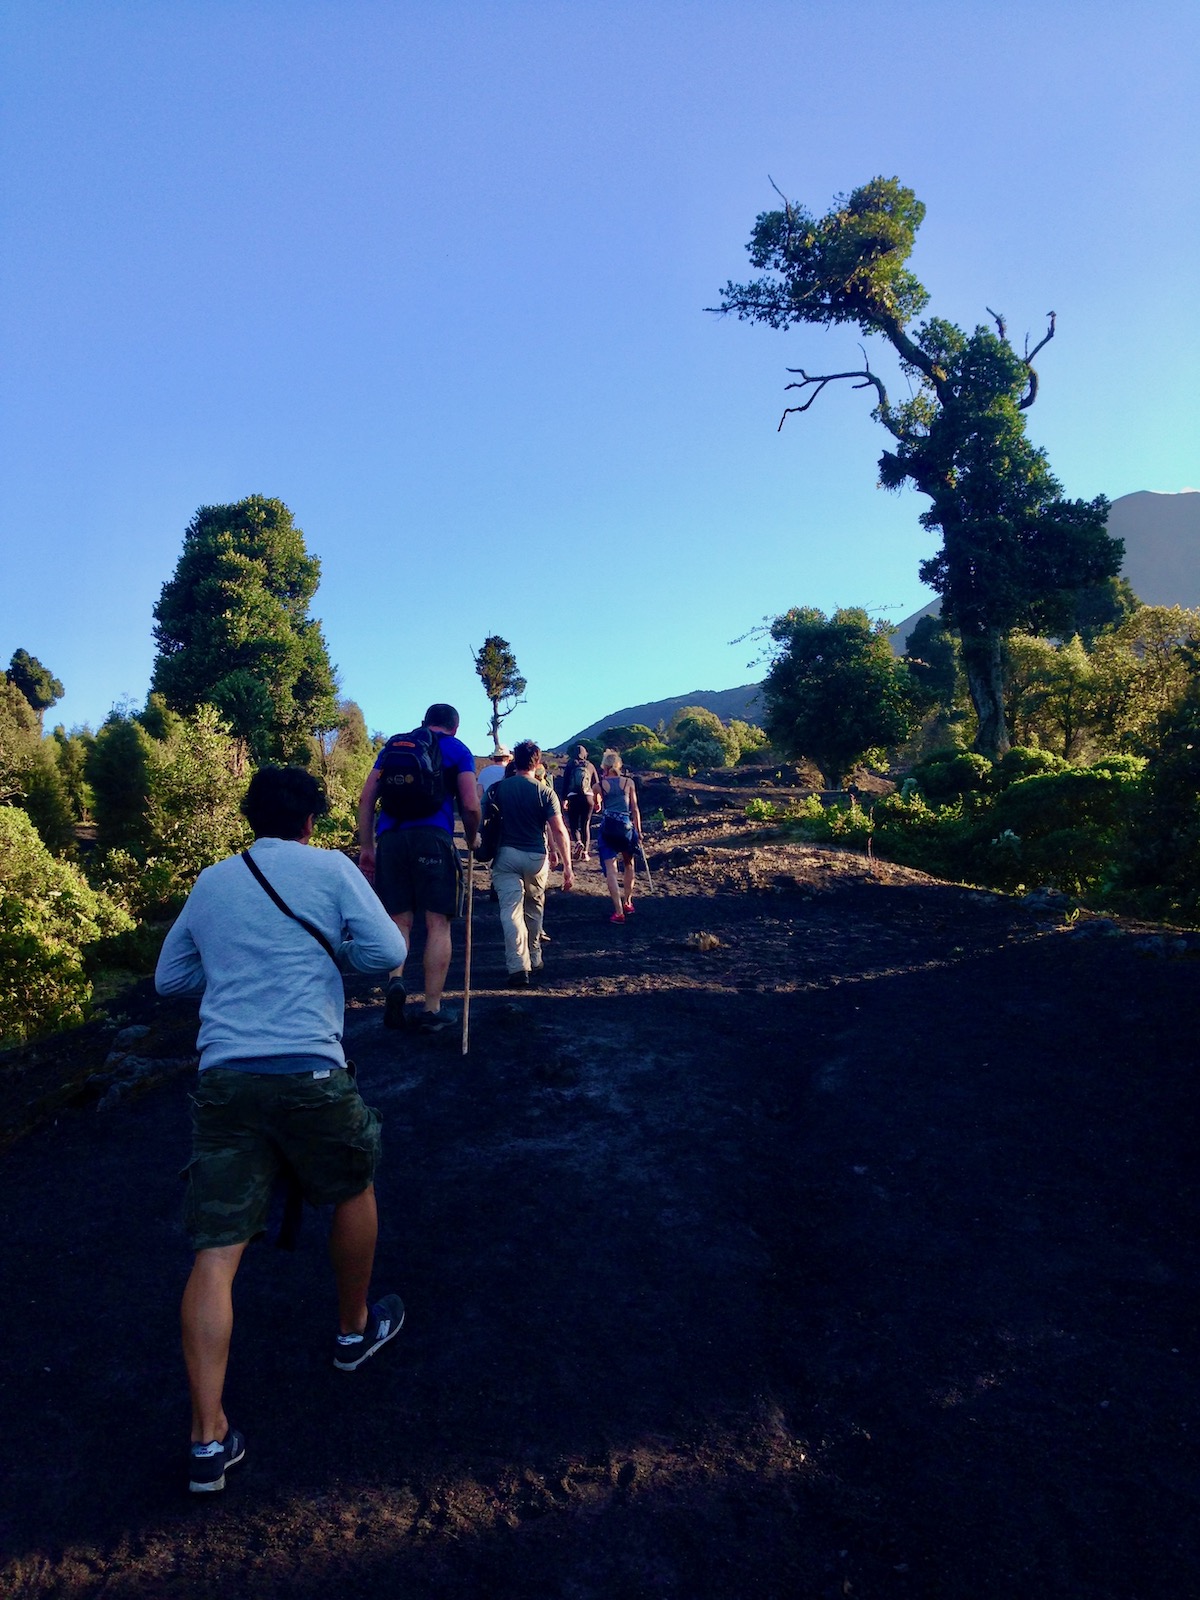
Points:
[[417, 869]]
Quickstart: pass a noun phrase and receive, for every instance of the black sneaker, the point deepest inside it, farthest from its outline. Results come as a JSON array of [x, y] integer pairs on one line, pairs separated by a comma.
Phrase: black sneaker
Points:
[[384, 1321], [517, 980], [393, 1010], [207, 1462], [437, 1021]]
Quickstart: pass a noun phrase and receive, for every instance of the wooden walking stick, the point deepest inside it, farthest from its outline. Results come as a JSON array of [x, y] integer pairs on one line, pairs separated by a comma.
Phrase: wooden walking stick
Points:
[[466, 1031]]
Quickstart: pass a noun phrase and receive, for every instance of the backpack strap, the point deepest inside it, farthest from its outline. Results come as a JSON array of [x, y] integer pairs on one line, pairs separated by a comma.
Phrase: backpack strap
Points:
[[287, 910]]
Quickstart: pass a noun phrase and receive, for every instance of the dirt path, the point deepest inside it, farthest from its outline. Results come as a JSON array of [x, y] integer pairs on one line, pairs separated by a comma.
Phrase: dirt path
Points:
[[856, 1255]]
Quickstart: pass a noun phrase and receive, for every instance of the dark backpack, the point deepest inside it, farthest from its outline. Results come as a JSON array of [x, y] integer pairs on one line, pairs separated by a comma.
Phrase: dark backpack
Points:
[[577, 782], [412, 784], [489, 832]]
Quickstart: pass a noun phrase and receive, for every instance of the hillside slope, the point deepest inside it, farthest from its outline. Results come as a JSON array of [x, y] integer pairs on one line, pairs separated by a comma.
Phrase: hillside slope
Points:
[[742, 703]]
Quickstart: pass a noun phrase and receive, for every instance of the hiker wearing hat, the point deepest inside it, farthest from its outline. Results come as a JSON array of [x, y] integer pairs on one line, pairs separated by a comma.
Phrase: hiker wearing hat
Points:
[[263, 940], [581, 787], [496, 769]]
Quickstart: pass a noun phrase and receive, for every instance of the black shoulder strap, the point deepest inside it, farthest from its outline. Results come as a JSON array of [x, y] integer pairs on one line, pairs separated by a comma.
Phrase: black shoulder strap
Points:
[[287, 910]]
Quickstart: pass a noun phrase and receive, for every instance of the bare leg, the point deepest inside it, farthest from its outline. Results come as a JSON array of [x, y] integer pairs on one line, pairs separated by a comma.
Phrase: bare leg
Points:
[[207, 1321], [352, 1252], [437, 958], [404, 921], [628, 877], [614, 888]]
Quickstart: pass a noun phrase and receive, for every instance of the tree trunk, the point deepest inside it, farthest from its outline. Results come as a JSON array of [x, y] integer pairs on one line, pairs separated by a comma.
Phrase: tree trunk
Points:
[[985, 678]]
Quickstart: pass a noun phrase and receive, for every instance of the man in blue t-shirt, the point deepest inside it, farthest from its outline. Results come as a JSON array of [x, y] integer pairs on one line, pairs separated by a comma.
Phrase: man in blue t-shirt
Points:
[[414, 867]]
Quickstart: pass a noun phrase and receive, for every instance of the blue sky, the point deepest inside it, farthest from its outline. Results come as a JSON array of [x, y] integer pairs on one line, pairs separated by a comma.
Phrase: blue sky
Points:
[[434, 275]]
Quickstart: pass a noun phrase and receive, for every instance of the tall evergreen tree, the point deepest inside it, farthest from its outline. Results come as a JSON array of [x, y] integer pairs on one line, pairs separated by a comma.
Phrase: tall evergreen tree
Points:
[[1013, 549], [233, 628]]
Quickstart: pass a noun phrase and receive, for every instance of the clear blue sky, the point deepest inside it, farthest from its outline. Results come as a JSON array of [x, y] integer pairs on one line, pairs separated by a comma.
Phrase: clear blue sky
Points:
[[433, 274]]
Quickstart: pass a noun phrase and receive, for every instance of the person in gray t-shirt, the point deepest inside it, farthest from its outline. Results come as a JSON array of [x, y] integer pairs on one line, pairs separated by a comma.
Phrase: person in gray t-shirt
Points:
[[521, 868]]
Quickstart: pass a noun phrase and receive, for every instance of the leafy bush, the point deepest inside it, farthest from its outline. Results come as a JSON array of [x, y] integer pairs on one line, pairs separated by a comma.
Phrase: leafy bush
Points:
[[645, 758], [950, 774], [848, 825], [1025, 761], [48, 917], [1161, 873]]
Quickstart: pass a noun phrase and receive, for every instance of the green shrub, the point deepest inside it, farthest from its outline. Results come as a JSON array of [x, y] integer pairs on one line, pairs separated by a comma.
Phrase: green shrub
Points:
[[48, 917], [950, 774], [841, 824], [933, 839], [1025, 761], [1160, 875], [644, 758]]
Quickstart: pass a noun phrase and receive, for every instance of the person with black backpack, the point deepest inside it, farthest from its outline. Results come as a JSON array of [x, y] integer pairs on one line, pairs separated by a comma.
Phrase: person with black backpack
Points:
[[581, 785], [408, 851]]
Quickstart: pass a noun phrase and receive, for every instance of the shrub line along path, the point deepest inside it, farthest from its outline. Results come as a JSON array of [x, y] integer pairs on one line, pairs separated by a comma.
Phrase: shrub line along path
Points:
[[853, 1254]]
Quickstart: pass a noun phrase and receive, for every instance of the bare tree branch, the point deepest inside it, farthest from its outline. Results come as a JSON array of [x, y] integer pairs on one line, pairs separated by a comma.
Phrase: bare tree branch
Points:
[[1030, 394], [998, 320], [1029, 354], [866, 380]]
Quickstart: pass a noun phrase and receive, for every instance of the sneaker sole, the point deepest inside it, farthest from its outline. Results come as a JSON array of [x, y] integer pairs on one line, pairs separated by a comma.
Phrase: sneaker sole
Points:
[[351, 1366]]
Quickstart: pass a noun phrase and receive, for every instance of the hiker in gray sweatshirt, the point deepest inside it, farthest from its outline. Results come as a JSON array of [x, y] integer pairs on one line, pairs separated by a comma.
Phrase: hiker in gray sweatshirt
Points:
[[263, 939]]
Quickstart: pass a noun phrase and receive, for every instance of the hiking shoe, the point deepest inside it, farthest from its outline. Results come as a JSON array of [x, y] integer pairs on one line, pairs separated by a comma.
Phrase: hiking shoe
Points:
[[517, 980], [384, 1321], [628, 908], [393, 1010], [207, 1462], [617, 916], [437, 1021]]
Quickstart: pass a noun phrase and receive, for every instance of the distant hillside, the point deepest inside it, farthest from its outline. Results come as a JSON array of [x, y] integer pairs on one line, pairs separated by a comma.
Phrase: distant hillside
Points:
[[1162, 562], [727, 703], [1162, 552]]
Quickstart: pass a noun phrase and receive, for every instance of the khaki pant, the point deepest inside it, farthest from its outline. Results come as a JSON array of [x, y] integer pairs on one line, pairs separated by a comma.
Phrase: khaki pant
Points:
[[520, 878]]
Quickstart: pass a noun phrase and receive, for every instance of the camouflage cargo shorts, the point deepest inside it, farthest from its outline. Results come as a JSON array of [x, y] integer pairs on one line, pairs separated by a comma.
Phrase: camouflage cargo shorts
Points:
[[247, 1127]]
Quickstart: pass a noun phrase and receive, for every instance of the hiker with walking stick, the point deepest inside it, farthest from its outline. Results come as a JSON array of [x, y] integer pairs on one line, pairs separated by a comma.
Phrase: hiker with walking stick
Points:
[[263, 939], [620, 833], [408, 851]]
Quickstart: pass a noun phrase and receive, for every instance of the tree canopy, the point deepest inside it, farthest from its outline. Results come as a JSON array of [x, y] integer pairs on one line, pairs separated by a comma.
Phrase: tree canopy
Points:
[[502, 682], [1014, 550], [834, 690], [36, 682], [233, 629]]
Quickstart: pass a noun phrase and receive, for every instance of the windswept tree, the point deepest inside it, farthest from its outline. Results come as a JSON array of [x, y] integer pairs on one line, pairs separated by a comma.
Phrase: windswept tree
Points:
[[234, 631], [36, 682], [834, 690], [1014, 551], [502, 683]]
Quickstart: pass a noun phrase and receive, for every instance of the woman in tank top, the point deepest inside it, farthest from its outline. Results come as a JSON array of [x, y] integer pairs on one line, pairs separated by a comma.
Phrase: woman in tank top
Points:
[[620, 833]]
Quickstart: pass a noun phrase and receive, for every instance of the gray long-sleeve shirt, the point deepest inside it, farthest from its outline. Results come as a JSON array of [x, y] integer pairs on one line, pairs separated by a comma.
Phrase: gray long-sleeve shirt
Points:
[[267, 987]]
